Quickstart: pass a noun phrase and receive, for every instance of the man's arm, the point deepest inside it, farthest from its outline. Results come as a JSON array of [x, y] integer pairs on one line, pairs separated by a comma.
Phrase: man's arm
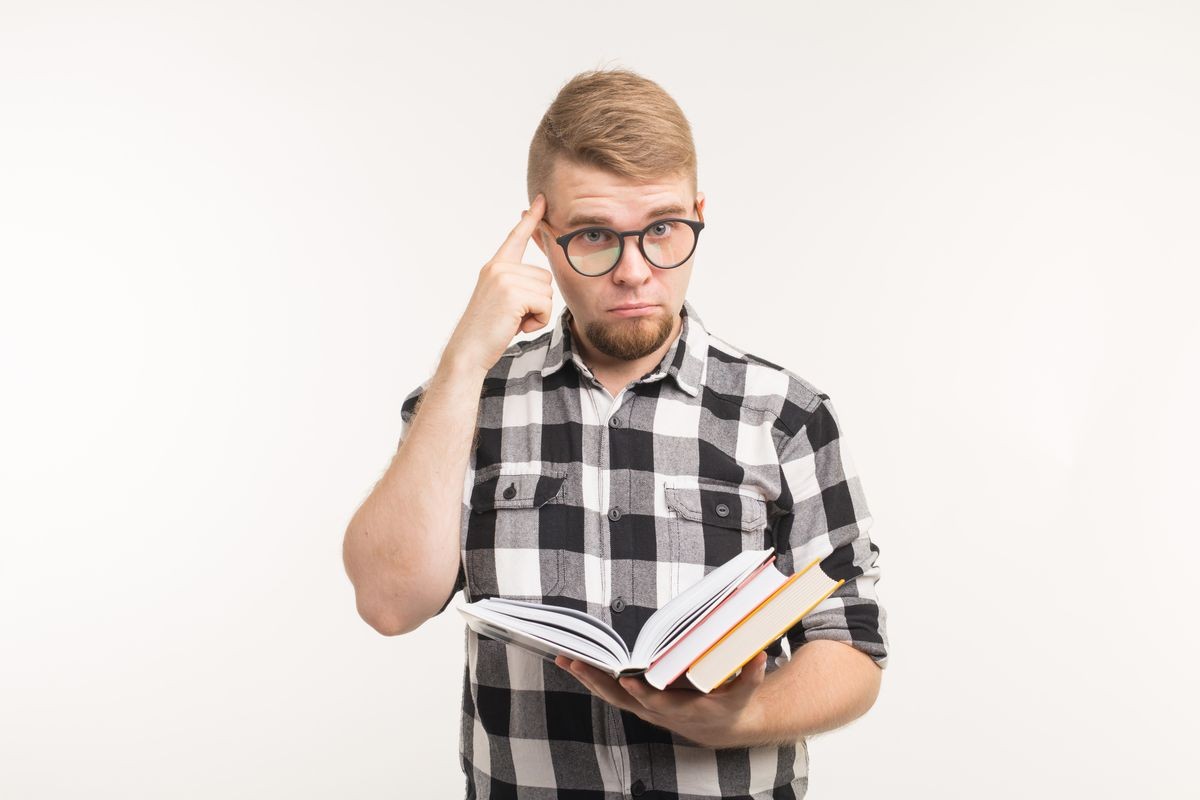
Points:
[[401, 548], [827, 684]]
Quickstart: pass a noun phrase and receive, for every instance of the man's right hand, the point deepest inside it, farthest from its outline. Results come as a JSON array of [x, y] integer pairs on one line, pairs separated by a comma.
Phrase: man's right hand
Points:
[[510, 297]]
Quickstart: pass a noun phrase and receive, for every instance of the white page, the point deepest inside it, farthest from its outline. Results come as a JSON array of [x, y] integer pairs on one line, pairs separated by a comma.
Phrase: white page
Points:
[[584, 624], [569, 626], [543, 640]]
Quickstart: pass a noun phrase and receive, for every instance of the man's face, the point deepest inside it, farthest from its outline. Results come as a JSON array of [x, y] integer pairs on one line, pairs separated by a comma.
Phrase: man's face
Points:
[[582, 196]]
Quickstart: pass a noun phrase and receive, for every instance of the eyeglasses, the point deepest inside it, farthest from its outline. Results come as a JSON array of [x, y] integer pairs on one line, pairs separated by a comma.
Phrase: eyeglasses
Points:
[[664, 243]]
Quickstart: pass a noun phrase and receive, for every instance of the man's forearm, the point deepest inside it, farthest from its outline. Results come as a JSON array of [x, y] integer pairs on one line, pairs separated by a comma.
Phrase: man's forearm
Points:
[[825, 685], [401, 549]]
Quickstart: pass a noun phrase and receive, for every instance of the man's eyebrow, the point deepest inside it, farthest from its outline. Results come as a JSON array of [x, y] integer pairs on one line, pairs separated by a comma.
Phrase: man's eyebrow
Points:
[[593, 219]]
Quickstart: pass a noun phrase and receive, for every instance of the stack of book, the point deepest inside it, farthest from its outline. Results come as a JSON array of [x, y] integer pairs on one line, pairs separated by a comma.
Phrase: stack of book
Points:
[[704, 635]]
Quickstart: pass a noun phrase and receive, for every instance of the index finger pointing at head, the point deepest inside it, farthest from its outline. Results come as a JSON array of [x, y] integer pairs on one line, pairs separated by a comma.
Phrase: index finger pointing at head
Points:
[[513, 249]]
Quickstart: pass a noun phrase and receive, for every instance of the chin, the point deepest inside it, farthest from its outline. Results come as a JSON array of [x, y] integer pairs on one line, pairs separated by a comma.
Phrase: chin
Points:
[[630, 338]]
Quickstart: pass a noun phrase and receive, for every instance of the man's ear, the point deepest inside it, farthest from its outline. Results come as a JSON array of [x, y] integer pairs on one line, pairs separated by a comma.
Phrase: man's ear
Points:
[[541, 238], [700, 205]]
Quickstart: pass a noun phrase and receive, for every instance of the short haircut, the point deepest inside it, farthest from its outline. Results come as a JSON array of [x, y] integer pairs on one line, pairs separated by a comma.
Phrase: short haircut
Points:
[[615, 120]]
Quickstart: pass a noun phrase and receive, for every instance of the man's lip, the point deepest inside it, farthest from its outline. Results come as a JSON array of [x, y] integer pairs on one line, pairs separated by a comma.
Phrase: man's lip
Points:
[[631, 305]]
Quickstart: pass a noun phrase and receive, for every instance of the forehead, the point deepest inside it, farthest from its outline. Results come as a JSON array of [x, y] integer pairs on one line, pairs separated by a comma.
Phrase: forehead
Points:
[[583, 194]]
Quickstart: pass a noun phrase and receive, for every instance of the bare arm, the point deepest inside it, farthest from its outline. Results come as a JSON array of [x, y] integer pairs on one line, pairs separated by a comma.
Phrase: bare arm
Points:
[[401, 548], [825, 685]]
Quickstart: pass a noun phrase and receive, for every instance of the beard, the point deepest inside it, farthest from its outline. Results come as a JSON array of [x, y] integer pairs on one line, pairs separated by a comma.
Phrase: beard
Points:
[[632, 338]]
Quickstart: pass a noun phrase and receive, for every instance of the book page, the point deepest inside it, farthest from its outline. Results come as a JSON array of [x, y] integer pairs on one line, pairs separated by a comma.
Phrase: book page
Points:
[[585, 625], [543, 640]]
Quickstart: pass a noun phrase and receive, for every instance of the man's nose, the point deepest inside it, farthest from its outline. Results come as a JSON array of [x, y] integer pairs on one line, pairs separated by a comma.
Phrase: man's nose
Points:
[[632, 268]]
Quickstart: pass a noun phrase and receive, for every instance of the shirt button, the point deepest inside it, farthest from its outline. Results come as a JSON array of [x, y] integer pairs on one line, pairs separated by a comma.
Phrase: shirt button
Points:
[[618, 605], [638, 788], [614, 513], [614, 422], [510, 492], [722, 510]]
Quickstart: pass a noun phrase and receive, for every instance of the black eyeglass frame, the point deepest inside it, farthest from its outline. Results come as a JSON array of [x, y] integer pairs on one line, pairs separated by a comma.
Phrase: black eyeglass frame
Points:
[[564, 240]]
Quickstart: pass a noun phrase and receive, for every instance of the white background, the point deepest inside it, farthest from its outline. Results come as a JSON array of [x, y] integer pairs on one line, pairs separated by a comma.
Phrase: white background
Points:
[[234, 235]]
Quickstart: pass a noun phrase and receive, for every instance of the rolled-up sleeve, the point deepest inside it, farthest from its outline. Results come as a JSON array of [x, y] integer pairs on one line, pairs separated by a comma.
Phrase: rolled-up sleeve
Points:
[[823, 515]]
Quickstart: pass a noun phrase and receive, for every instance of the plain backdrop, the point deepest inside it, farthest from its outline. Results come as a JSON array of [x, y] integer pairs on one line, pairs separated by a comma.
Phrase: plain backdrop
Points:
[[234, 235]]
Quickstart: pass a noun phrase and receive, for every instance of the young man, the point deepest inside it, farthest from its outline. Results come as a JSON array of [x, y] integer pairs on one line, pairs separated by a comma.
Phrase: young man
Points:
[[606, 465]]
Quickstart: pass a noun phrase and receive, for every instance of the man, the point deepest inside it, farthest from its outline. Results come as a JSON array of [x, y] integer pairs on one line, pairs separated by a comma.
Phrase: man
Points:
[[606, 465]]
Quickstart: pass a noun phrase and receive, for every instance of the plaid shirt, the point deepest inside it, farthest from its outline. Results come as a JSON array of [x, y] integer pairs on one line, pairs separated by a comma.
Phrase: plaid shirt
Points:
[[614, 512]]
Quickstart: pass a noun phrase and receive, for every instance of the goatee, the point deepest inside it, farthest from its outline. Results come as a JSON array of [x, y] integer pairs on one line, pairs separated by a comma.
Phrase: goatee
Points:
[[632, 338]]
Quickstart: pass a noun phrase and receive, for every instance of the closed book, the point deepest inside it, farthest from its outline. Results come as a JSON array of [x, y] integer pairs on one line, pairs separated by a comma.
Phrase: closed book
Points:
[[797, 596], [760, 585]]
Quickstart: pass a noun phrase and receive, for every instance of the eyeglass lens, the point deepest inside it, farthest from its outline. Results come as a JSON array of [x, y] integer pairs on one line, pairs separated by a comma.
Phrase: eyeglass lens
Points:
[[595, 251]]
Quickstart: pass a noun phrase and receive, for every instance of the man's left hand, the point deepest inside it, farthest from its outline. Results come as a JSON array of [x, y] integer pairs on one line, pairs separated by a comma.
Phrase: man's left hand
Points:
[[717, 719]]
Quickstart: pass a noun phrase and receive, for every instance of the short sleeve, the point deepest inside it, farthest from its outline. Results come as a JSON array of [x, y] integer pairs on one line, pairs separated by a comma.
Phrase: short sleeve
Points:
[[825, 516], [408, 410]]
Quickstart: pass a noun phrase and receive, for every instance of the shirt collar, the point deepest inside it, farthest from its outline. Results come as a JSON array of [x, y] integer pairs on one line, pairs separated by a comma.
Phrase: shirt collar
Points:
[[686, 361]]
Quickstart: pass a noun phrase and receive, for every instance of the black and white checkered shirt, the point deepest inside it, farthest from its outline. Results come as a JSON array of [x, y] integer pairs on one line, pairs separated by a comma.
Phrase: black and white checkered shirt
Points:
[[613, 506]]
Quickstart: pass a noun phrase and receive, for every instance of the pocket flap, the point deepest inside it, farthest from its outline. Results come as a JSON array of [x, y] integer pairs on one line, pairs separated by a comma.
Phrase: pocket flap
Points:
[[524, 490], [722, 505]]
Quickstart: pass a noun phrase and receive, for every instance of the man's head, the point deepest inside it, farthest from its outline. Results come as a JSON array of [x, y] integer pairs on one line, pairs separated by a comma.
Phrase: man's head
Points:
[[615, 150]]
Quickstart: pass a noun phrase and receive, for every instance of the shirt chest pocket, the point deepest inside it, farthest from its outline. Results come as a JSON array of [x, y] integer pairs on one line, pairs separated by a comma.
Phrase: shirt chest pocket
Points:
[[513, 545], [711, 523]]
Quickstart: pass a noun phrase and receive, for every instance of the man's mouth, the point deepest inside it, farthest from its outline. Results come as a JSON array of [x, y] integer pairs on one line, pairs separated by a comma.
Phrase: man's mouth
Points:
[[633, 309]]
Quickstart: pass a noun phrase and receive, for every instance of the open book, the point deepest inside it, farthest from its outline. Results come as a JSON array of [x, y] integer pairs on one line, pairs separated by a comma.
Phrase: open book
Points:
[[708, 631]]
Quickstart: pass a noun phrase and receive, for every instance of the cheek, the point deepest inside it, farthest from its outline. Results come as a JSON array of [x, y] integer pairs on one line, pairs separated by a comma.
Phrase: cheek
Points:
[[677, 279], [570, 283]]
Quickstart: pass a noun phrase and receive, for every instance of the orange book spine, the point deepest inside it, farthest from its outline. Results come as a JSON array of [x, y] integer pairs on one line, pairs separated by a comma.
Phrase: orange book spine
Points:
[[781, 631]]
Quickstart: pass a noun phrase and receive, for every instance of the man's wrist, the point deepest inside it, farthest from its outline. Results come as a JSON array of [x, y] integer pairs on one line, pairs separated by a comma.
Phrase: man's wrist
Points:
[[457, 369]]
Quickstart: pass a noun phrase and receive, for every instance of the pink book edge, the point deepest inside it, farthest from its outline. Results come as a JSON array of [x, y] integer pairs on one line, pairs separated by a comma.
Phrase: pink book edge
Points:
[[711, 611]]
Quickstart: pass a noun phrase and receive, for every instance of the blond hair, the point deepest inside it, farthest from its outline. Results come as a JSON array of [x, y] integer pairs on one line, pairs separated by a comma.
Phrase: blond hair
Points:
[[615, 120]]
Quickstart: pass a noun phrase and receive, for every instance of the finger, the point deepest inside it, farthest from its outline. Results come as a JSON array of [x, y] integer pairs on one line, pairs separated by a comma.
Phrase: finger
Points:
[[532, 283], [752, 675], [514, 246], [644, 693], [519, 269], [537, 308], [605, 687], [746, 681]]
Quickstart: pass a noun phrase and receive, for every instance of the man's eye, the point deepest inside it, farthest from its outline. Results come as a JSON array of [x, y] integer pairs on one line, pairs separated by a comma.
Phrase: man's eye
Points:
[[594, 237], [660, 229]]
